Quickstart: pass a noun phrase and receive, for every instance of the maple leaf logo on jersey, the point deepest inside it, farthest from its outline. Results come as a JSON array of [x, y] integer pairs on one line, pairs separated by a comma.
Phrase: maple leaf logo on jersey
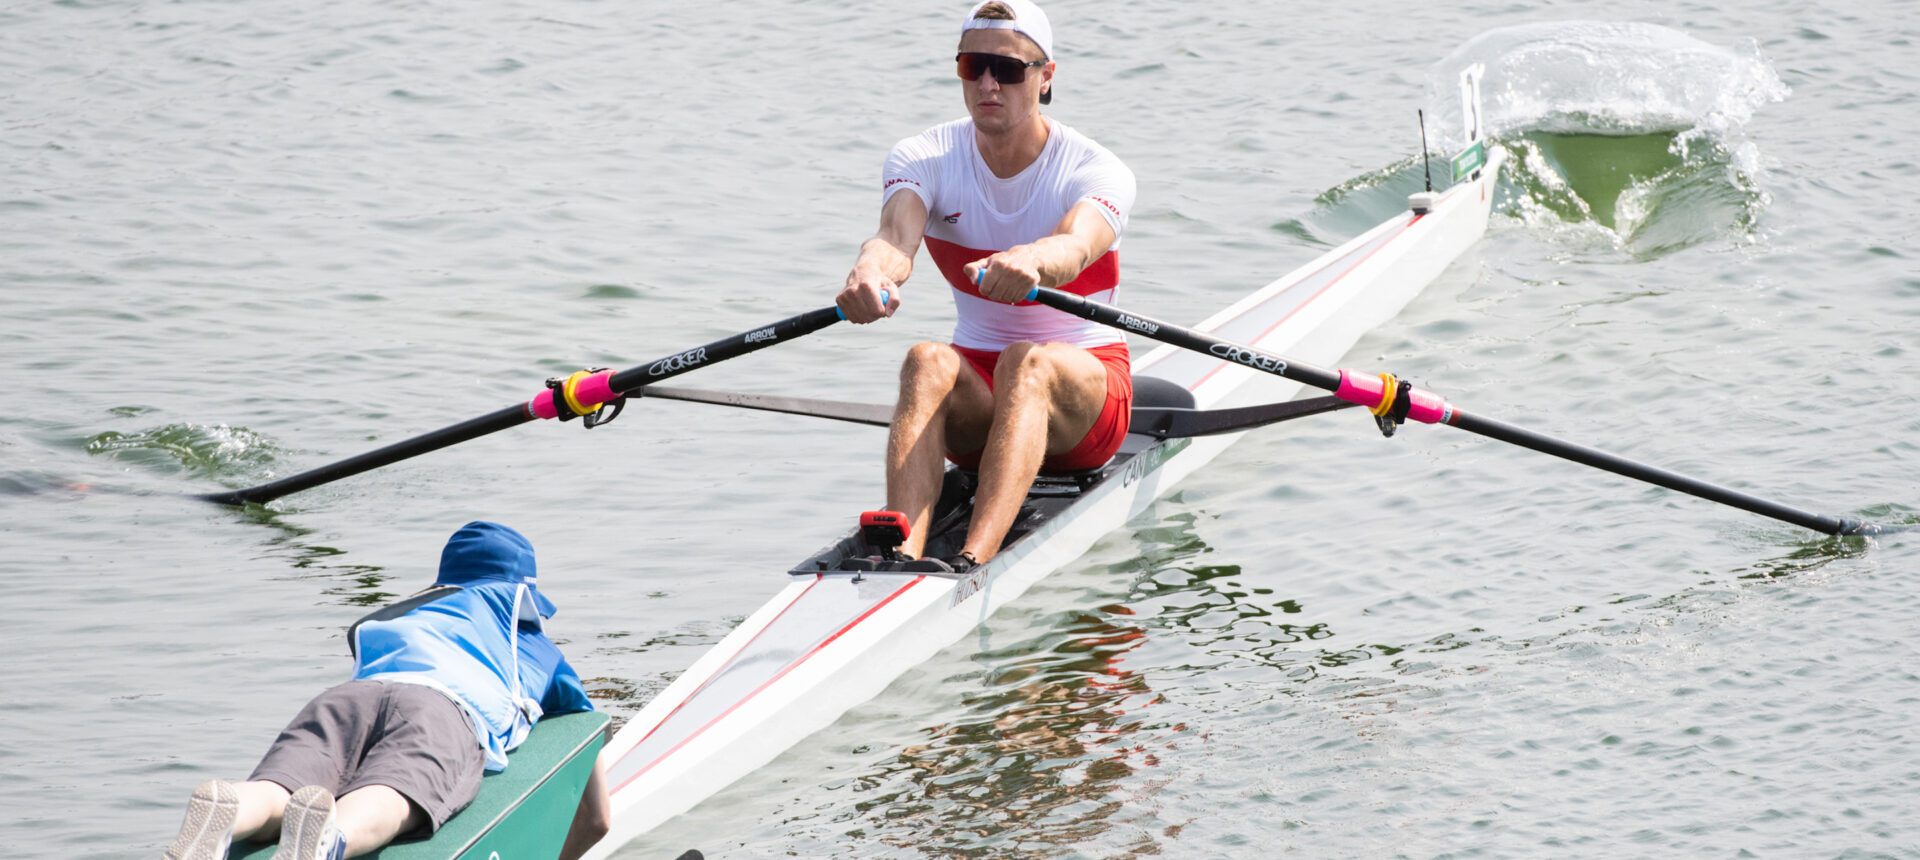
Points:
[[952, 219]]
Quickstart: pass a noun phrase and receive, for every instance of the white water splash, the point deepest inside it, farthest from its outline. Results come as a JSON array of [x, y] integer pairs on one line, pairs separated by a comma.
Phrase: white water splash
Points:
[[1598, 77], [1576, 102]]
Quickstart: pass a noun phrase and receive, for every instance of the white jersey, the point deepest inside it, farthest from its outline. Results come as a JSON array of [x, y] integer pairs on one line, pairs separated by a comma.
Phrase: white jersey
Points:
[[972, 213]]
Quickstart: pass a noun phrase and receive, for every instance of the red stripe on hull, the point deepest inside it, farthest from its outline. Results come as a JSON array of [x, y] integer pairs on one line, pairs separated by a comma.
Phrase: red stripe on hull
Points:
[[762, 688]]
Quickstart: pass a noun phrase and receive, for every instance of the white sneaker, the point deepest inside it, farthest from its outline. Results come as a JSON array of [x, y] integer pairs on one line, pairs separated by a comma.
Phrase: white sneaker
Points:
[[208, 829], [308, 831]]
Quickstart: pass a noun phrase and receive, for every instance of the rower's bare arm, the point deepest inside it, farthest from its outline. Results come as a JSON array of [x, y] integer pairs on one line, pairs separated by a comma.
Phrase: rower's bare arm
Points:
[[1078, 240], [885, 261]]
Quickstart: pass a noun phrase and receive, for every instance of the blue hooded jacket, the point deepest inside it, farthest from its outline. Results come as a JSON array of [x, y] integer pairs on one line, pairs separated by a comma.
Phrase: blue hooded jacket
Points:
[[484, 644]]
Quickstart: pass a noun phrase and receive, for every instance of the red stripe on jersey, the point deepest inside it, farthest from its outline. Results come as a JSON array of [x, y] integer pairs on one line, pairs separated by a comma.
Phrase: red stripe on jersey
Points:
[[1102, 274]]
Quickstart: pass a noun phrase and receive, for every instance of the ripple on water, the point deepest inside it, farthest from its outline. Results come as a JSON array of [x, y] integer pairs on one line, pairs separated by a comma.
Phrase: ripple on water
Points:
[[614, 291]]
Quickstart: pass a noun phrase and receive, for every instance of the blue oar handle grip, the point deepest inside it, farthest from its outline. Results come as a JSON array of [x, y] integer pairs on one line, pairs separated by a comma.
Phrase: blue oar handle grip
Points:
[[1033, 295], [884, 298]]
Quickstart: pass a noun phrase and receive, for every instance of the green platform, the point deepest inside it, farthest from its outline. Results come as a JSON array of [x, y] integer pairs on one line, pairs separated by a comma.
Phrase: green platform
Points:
[[522, 813]]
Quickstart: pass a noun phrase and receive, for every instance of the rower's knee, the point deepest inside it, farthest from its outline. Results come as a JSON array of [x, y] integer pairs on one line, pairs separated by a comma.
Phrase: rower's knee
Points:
[[928, 359], [1024, 365], [929, 373]]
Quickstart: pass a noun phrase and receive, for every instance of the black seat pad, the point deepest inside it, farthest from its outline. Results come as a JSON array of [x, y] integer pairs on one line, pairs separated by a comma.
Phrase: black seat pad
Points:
[[1154, 392]]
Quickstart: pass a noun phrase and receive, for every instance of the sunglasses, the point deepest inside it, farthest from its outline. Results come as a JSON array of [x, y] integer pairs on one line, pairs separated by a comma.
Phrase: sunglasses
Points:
[[1006, 70]]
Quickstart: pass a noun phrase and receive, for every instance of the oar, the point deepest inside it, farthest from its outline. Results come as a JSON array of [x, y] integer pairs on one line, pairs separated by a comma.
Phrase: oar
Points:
[[581, 394], [1394, 401]]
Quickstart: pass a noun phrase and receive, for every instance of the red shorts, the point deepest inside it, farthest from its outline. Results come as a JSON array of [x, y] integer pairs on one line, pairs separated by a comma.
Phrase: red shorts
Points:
[[1108, 430]]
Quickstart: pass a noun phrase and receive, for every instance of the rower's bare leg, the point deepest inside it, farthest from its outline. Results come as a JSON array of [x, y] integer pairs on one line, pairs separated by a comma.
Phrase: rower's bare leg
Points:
[[1046, 397], [943, 404]]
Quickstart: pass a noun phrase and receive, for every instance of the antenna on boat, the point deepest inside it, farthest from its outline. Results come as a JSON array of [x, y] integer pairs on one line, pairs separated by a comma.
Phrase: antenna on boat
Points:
[[1421, 202], [1425, 156]]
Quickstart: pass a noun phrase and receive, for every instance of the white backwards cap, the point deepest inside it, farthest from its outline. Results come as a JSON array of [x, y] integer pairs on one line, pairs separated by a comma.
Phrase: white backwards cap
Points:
[[1028, 21]]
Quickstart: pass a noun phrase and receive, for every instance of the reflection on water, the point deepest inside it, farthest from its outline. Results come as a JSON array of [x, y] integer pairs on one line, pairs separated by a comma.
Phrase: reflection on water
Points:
[[1062, 752], [1217, 612], [1046, 760], [351, 583]]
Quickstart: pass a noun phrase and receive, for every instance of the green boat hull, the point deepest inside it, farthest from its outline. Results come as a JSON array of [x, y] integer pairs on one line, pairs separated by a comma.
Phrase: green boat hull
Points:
[[521, 813]]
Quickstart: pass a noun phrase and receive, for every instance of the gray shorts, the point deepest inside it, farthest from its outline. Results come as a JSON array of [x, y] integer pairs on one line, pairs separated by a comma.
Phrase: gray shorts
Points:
[[408, 737]]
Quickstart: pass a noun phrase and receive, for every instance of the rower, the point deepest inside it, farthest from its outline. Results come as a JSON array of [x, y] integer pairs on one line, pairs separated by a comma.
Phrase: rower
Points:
[[1006, 200]]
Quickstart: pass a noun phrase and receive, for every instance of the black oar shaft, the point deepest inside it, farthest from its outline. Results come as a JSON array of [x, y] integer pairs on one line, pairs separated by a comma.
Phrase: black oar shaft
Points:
[[1187, 338], [1331, 381], [625, 381], [720, 350], [1495, 429], [434, 441]]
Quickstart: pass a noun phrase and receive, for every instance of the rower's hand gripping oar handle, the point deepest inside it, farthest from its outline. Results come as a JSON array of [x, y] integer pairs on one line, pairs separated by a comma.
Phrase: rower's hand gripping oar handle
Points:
[[884, 298], [1429, 408]]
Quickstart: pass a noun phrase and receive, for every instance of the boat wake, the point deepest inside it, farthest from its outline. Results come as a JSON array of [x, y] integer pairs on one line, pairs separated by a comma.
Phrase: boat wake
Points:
[[1626, 136]]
